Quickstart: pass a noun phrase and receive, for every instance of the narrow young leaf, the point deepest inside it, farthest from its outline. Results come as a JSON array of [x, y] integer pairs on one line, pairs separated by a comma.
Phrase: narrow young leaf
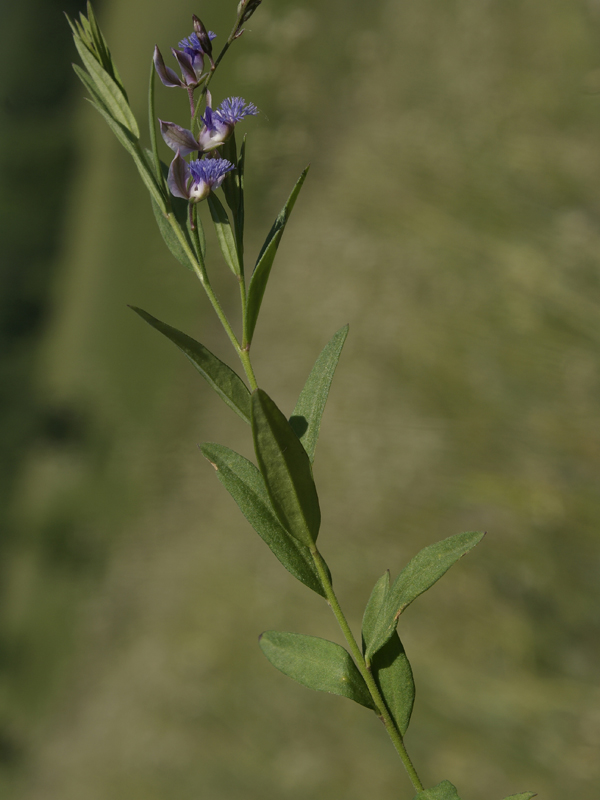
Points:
[[226, 383], [373, 610], [262, 270], [316, 663], [110, 92], [522, 796], [169, 236], [231, 183], [306, 416], [245, 484], [133, 148], [285, 467], [101, 47], [158, 171], [224, 234], [425, 569], [443, 791], [393, 674]]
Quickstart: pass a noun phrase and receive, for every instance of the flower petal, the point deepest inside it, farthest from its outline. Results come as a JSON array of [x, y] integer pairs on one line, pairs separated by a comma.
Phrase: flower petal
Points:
[[166, 74], [179, 176], [178, 138], [187, 67]]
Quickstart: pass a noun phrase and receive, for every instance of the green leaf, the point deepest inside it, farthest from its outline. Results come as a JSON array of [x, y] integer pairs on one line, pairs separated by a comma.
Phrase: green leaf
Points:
[[245, 484], [443, 791], [158, 171], [307, 415], [373, 609], [224, 233], [393, 674], [316, 663], [233, 189], [133, 148], [285, 467], [262, 270], [522, 796], [110, 92], [226, 383], [165, 226], [425, 569]]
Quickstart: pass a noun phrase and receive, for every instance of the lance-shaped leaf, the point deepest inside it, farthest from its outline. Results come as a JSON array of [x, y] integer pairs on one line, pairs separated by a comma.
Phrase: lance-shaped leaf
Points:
[[226, 383], [316, 663], [393, 675], [425, 569], [225, 235], [443, 791], [108, 89], [233, 189], [131, 144], [373, 610], [522, 796], [158, 167], [285, 466], [174, 224], [307, 415], [245, 484], [165, 226], [262, 270]]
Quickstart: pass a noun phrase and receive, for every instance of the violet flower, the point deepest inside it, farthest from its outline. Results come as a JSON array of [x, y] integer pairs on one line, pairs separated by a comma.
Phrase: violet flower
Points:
[[219, 124], [196, 180], [218, 127], [190, 59]]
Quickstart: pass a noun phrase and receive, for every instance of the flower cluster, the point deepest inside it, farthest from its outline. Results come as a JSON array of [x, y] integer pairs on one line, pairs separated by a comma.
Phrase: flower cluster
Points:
[[194, 181], [190, 58]]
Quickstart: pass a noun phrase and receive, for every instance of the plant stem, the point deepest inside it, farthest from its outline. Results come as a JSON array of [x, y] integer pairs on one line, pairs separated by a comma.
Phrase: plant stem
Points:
[[200, 270], [382, 710]]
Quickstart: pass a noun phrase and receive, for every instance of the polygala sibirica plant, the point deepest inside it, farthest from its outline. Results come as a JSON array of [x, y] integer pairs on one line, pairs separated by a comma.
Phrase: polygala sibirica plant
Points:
[[278, 495]]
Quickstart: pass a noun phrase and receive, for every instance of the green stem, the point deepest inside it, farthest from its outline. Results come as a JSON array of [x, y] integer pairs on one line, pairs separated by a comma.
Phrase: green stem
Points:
[[200, 270], [382, 710]]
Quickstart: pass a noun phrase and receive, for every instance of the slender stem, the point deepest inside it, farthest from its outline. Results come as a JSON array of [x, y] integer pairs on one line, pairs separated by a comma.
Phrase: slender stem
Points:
[[199, 268], [382, 710]]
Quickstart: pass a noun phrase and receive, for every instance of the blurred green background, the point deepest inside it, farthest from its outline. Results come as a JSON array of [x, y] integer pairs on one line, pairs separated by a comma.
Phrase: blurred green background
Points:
[[452, 216]]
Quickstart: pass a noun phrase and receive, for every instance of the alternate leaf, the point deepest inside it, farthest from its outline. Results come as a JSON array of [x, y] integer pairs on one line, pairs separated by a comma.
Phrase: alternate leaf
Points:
[[262, 270], [101, 47], [316, 663], [245, 484], [373, 609], [393, 675], [165, 226], [158, 170], [225, 235], [233, 189], [285, 466], [443, 791], [425, 569], [133, 148], [110, 92], [226, 383], [307, 415]]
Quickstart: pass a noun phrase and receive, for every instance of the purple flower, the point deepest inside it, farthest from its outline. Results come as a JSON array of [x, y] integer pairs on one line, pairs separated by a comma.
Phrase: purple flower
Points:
[[196, 180], [190, 59], [218, 126]]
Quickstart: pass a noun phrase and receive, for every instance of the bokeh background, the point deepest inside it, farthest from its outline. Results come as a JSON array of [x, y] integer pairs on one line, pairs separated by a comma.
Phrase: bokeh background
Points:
[[452, 216]]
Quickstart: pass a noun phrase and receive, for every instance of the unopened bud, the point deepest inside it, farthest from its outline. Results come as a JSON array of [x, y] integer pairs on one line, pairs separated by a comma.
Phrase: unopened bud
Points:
[[202, 35], [246, 8]]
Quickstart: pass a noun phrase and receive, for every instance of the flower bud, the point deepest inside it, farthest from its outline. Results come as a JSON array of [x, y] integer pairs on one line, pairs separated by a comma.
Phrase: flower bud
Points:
[[246, 8], [202, 35]]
